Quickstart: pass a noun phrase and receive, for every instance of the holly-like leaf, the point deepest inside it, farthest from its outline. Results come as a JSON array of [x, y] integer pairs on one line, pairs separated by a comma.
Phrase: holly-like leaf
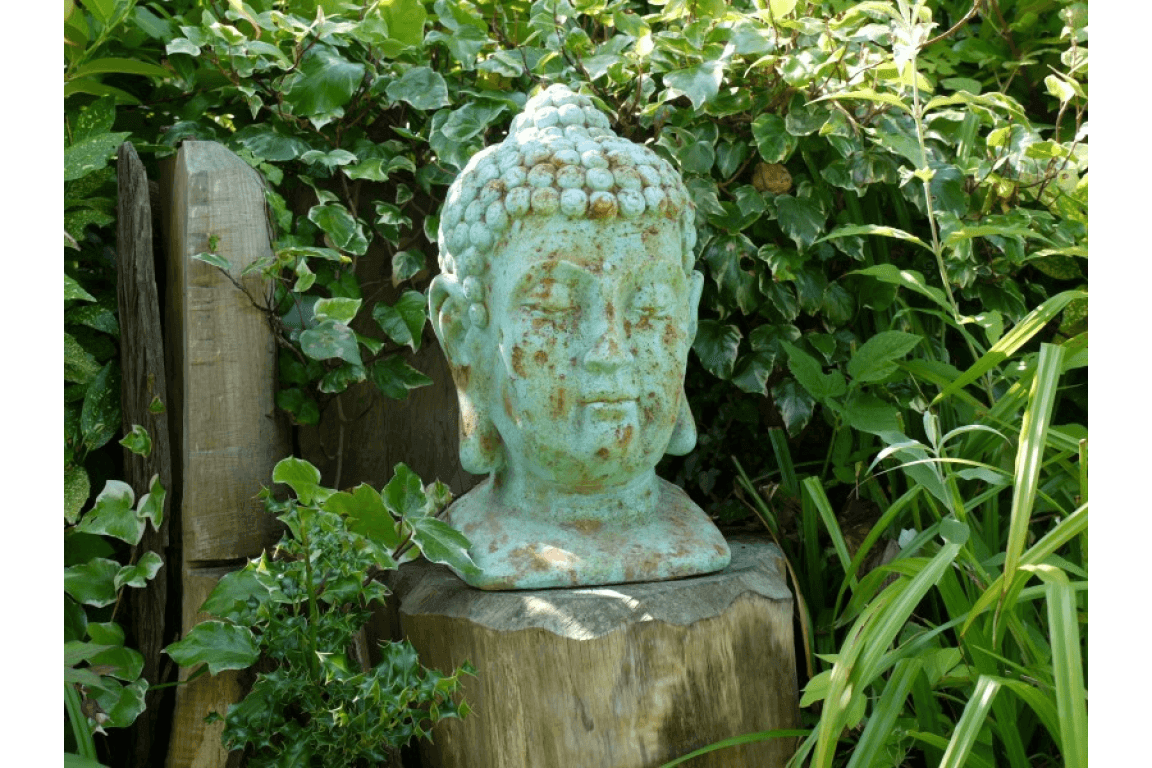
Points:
[[218, 644], [91, 154], [404, 321], [79, 365]]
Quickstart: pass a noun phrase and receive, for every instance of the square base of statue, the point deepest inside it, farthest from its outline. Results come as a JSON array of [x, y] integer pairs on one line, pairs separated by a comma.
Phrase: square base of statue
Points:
[[604, 543], [614, 677]]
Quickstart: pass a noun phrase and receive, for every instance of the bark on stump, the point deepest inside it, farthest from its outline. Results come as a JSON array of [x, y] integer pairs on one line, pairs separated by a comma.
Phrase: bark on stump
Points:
[[616, 676], [226, 434]]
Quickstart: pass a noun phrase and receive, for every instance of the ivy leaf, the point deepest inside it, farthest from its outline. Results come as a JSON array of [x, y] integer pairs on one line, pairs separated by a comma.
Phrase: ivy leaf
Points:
[[219, 645], [92, 583], [794, 403], [341, 226], [324, 83], [124, 704], [406, 265], [266, 142], [716, 345], [151, 505], [699, 83], [214, 259], [752, 372], [800, 218], [404, 496], [875, 359], [238, 595], [342, 310], [422, 87], [468, 121], [341, 378], [394, 377], [441, 543], [405, 20], [301, 476], [141, 573], [364, 512], [403, 322], [772, 138], [138, 441], [331, 339], [112, 514], [100, 416]]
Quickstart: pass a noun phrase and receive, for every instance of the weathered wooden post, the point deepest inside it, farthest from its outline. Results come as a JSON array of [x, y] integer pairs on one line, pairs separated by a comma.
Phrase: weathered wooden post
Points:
[[143, 401], [226, 434]]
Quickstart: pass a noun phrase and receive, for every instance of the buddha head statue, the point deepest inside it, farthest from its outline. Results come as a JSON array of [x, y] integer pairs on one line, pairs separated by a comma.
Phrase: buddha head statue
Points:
[[566, 306]]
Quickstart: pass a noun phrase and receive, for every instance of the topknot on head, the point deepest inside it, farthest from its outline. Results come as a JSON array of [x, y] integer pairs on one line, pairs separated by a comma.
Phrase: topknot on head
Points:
[[561, 157]]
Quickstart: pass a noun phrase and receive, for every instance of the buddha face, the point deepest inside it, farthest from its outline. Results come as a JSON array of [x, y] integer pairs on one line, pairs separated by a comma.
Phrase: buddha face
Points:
[[591, 323]]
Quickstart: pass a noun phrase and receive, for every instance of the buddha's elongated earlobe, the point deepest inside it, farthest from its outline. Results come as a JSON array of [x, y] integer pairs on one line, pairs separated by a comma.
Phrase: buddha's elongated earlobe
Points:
[[481, 449], [684, 433]]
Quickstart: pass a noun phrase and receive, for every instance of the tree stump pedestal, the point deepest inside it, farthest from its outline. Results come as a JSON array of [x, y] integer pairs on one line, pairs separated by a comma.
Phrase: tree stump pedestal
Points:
[[616, 676]]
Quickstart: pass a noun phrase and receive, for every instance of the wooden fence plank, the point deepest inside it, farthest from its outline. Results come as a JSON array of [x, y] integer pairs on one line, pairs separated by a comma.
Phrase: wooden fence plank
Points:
[[227, 434]]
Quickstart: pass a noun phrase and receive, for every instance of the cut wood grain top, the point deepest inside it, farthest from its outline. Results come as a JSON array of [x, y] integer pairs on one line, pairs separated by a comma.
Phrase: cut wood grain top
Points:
[[587, 613]]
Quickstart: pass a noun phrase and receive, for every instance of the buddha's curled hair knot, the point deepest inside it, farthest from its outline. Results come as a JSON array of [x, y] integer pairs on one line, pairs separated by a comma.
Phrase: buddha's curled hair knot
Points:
[[561, 158]]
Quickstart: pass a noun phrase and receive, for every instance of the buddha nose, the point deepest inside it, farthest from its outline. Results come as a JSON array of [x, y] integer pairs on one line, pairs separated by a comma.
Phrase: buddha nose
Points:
[[608, 351]]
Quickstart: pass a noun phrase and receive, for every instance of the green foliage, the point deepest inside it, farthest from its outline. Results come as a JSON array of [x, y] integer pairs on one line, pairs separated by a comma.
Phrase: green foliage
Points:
[[103, 686], [892, 220], [300, 608]]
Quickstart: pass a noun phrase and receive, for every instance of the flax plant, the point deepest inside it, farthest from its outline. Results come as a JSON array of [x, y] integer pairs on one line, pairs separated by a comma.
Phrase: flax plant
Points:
[[968, 646]]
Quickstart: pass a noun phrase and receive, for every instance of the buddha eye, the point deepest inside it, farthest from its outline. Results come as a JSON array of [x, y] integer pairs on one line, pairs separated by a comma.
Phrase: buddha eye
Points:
[[652, 301]]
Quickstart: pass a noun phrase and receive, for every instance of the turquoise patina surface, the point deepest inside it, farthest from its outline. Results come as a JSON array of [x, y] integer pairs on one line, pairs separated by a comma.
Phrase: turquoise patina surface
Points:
[[566, 306]]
